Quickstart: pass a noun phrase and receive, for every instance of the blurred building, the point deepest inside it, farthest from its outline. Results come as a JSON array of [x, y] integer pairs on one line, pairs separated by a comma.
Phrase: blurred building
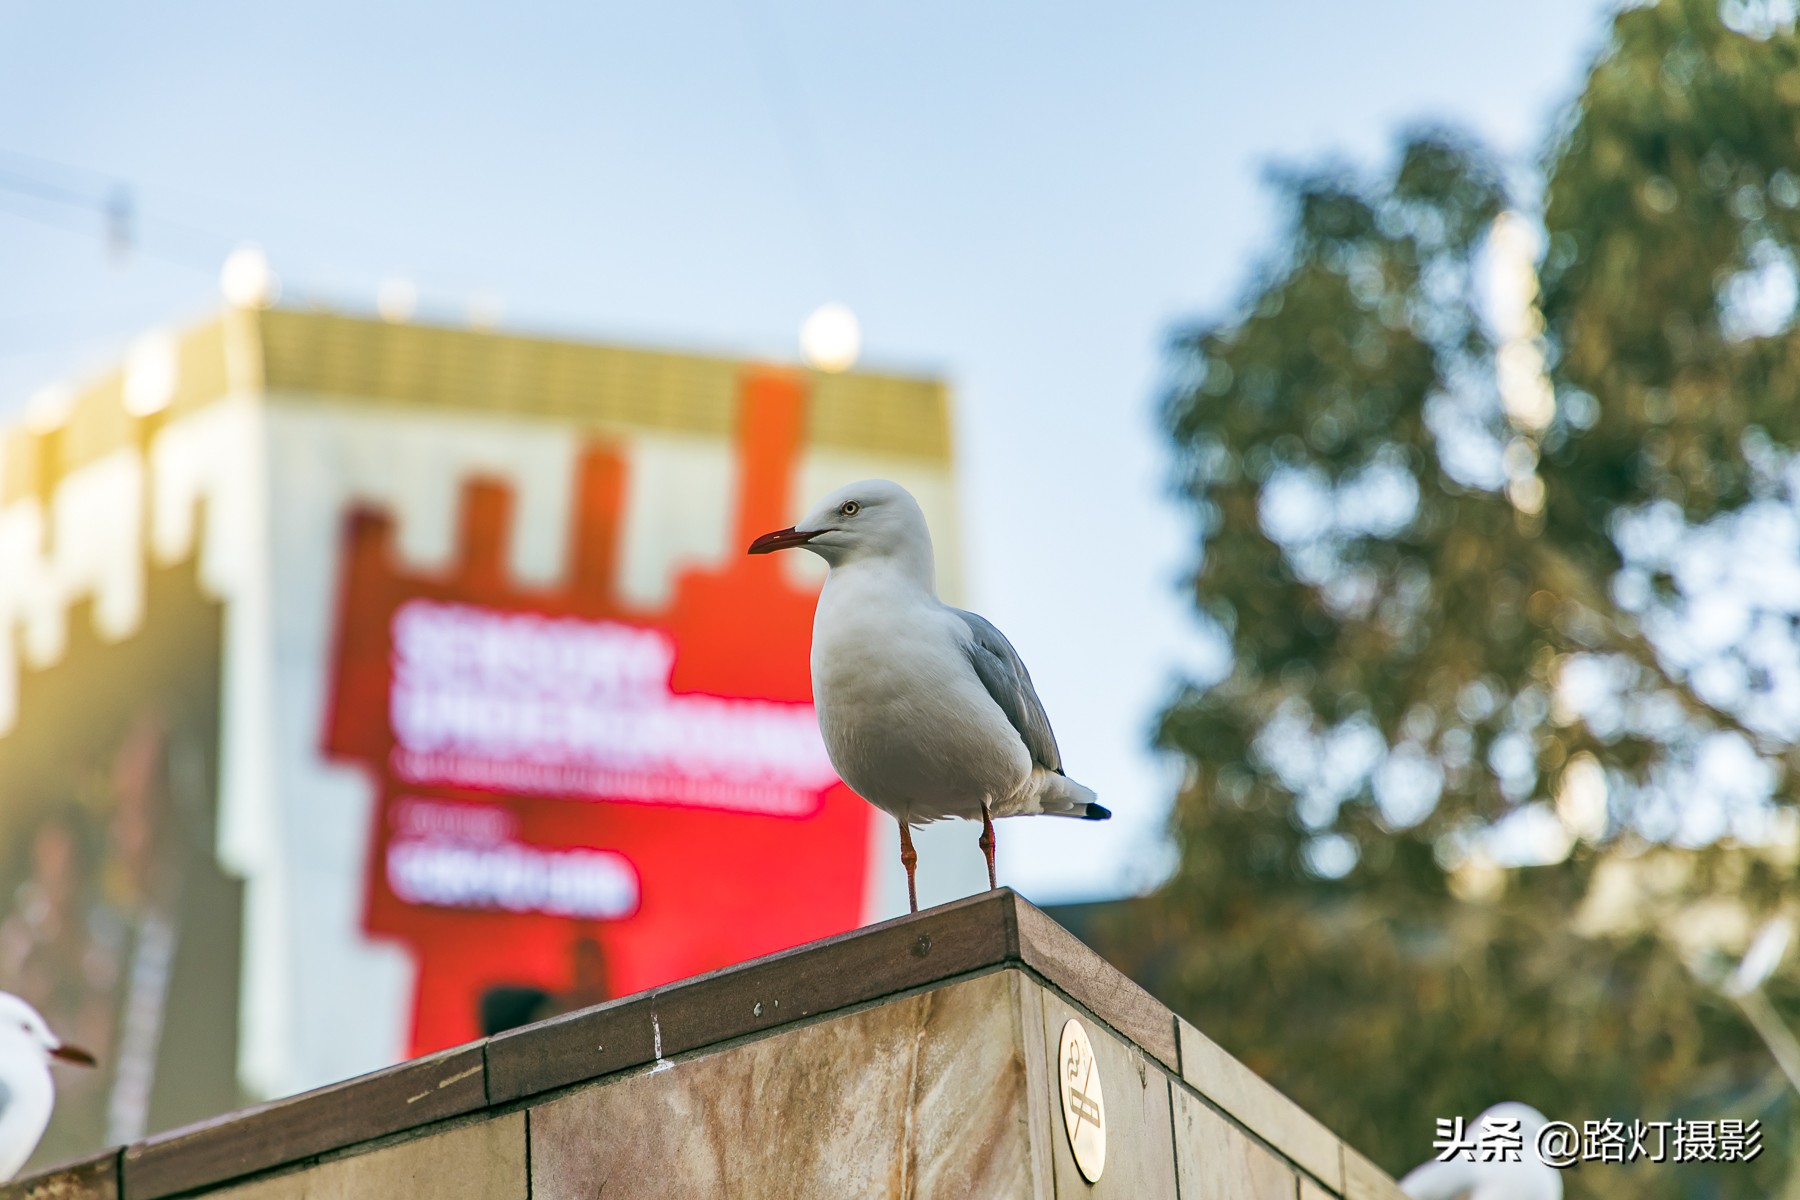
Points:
[[358, 677]]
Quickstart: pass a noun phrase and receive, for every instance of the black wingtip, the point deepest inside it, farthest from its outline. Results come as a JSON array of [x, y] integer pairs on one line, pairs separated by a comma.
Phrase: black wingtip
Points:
[[1096, 813]]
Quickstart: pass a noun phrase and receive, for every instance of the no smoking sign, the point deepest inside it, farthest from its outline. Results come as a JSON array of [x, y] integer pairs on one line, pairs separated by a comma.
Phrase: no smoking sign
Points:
[[1083, 1107]]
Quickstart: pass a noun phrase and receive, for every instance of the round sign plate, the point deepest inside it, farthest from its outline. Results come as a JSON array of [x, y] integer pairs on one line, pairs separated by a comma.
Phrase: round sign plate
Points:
[[1083, 1108]]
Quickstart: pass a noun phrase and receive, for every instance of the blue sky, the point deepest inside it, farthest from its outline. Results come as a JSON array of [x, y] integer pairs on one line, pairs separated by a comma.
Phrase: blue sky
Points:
[[1024, 198]]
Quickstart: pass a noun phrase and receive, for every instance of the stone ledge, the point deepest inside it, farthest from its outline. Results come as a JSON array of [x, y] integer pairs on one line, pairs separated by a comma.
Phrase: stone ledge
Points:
[[95, 1178], [406, 1096], [1263, 1132]]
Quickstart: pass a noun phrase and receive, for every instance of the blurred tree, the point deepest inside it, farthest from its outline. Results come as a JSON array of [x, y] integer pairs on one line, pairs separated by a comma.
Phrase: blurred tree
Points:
[[1507, 578]]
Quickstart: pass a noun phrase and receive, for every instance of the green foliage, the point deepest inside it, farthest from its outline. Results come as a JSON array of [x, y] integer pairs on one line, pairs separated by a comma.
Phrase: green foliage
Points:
[[1409, 573], [1681, 169], [1380, 1017], [1379, 613]]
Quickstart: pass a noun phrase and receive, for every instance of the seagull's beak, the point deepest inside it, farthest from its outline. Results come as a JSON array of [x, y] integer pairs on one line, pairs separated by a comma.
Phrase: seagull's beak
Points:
[[782, 539], [73, 1054]]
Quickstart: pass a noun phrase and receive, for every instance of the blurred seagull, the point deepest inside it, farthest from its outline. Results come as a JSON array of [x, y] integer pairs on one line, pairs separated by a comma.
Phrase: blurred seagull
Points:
[[26, 1093], [926, 710], [1765, 952], [1530, 1178]]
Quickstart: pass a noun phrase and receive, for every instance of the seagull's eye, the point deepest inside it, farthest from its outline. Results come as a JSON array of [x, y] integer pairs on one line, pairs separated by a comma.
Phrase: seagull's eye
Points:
[[849, 508]]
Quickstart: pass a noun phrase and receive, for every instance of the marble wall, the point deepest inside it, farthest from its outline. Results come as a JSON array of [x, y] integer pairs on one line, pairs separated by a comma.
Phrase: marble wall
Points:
[[947, 1094], [919, 1059]]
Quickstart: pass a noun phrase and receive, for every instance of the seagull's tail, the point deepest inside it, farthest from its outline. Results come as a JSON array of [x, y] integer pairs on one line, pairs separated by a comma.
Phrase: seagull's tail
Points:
[[1060, 796]]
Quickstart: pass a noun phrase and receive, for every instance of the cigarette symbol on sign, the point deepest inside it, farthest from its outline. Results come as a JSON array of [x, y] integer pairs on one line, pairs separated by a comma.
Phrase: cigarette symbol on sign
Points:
[[1083, 1101], [1083, 1105]]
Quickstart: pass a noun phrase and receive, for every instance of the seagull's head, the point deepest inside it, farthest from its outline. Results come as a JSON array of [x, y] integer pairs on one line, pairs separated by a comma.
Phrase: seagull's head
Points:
[[876, 518], [19, 1020]]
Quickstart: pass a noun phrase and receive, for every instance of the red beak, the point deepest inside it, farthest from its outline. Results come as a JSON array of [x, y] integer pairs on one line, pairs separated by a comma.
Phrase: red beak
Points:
[[782, 539], [74, 1054]]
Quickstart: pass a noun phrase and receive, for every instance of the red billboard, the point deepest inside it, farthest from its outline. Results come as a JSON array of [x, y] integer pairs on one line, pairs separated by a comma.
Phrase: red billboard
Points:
[[580, 796]]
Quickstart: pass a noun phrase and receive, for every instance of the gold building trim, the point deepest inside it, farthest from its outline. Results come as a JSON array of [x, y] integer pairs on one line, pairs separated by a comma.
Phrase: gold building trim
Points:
[[302, 356]]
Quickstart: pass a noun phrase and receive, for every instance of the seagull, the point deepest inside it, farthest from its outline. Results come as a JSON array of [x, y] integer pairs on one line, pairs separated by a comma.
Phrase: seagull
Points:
[[926, 710], [26, 1093], [1530, 1178]]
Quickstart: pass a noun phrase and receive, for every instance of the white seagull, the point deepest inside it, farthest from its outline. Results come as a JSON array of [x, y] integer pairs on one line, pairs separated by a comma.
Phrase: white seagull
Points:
[[26, 1092], [1530, 1178], [926, 710]]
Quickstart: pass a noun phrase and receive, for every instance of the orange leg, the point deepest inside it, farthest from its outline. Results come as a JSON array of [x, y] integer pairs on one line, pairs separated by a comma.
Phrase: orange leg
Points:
[[909, 858], [987, 845]]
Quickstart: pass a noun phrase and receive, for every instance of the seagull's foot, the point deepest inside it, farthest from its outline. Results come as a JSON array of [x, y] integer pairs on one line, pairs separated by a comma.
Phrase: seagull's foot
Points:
[[986, 843], [909, 858]]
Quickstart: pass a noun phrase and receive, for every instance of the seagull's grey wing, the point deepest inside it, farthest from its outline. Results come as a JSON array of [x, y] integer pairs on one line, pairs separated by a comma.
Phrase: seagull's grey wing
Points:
[[1009, 683], [5, 1099]]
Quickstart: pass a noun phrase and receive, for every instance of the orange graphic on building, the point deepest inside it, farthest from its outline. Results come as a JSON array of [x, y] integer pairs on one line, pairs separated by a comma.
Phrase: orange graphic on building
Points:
[[564, 778]]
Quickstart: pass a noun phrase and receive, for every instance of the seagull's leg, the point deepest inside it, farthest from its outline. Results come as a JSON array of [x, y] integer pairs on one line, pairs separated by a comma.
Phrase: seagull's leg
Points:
[[987, 845], [909, 858]]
